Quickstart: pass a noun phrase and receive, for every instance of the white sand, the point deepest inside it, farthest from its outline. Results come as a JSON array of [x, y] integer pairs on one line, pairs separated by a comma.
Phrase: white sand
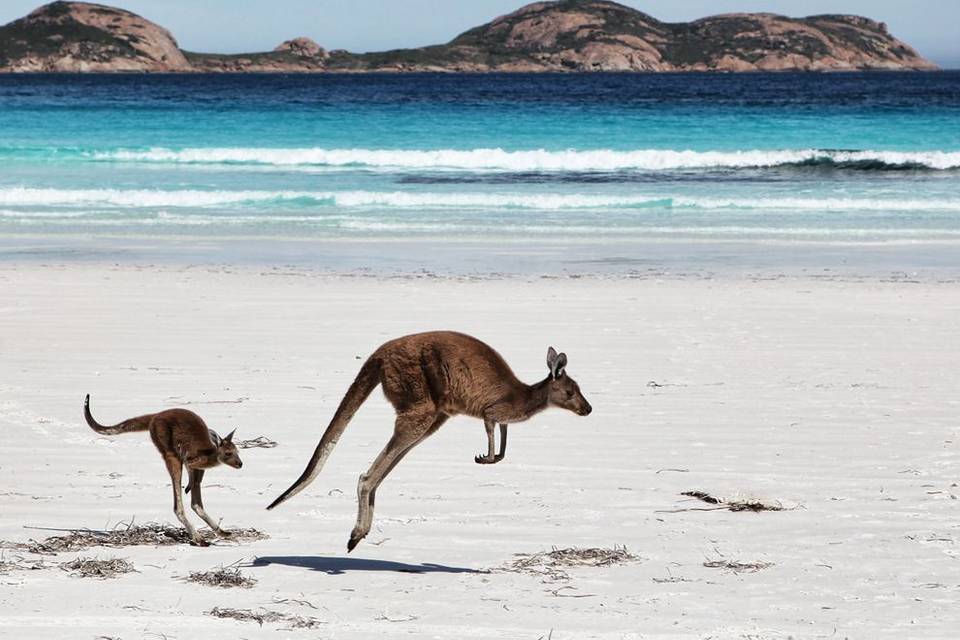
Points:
[[840, 398]]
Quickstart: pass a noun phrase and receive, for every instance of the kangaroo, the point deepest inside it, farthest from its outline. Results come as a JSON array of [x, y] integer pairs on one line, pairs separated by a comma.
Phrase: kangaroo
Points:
[[183, 439], [428, 378]]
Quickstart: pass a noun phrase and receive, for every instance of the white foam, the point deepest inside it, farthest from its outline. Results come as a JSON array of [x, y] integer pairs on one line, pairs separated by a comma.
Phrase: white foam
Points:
[[24, 196], [589, 201], [137, 198], [643, 230], [818, 204], [402, 199], [531, 160]]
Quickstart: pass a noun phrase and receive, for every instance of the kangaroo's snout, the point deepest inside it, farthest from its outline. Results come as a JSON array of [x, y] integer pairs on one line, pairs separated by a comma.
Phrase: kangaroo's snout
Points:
[[585, 410]]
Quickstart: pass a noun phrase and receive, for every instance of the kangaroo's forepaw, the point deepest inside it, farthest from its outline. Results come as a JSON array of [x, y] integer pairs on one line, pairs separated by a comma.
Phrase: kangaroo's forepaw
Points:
[[487, 459], [199, 542]]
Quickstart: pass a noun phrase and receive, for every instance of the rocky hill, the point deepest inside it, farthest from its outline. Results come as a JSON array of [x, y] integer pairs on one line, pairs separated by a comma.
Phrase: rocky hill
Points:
[[77, 36], [564, 35], [595, 35]]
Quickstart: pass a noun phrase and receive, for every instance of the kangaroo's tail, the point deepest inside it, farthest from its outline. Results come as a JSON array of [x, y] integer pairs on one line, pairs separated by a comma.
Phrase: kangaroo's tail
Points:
[[140, 423], [365, 382]]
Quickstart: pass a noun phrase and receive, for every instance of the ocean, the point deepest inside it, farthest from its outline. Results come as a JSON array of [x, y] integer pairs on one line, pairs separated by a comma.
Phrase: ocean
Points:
[[482, 172]]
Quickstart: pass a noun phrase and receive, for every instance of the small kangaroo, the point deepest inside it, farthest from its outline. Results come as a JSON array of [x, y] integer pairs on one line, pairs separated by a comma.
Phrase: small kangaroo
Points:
[[429, 377], [183, 439]]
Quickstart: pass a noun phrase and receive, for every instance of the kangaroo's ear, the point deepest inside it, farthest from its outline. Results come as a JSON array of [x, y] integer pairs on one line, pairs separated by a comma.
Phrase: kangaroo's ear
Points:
[[229, 437], [561, 365], [551, 359], [556, 362]]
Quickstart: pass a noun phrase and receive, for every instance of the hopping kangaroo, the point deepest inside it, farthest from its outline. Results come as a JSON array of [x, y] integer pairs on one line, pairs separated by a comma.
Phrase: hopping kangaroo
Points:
[[429, 377], [183, 439]]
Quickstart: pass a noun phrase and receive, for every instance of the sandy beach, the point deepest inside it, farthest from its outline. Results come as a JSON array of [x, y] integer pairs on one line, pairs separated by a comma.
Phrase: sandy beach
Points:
[[833, 398]]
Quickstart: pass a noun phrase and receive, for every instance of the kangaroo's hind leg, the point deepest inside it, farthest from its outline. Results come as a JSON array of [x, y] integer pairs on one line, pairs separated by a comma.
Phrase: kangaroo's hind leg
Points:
[[196, 501], [372, 498], [175, 467], [410, 429]]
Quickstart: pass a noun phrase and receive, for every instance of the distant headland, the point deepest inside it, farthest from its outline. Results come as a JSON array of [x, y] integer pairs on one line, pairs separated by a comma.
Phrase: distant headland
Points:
[[564, 35]]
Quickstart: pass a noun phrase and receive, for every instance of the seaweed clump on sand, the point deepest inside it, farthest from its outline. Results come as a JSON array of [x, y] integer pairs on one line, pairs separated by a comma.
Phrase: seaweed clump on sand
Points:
[[737, 567], [96, 568], [129, 535], [735, 504], [223, 577], [265, 615], [551, 564]]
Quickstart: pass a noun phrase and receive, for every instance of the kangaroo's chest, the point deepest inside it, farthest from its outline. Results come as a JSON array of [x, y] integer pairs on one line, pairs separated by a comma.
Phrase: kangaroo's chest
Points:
[[197, 450]]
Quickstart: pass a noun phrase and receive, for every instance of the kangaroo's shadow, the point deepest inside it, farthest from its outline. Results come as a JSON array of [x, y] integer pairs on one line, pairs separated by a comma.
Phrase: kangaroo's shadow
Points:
[[337, 566]]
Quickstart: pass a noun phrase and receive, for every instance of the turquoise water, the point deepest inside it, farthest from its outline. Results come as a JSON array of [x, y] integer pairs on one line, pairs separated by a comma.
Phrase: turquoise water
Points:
[[854, 158]]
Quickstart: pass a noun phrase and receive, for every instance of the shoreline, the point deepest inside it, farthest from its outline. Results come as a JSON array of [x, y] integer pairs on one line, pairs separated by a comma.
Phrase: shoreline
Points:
[[933, 261]]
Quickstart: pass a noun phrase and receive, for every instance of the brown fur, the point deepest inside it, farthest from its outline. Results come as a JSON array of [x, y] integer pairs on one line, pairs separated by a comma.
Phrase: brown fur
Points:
[[428, 378], [183, 440]]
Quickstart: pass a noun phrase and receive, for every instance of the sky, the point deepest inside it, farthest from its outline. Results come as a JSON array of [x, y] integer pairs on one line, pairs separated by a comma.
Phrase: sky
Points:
[[234, 26]]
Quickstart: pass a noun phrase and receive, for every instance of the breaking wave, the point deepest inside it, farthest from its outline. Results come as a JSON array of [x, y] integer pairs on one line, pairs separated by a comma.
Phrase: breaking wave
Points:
[[145, 198], [21, 196], [543, 160]]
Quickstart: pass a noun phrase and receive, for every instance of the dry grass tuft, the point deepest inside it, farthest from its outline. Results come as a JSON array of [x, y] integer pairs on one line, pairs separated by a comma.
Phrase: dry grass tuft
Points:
[[19, 563], [129, 535], [737, 567], [734, 505], [702, 495], [93, 568], [550, 564], [223, 577], [265, 615], [259, 442], [753, 505]]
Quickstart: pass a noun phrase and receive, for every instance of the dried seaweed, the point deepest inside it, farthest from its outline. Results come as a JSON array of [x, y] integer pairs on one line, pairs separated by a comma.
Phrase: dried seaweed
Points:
[[223, 577], [265, 615], [702, 495], [94, 568], [735, 505], [129, 535], [259, 442], [737, 567], [753, 505], [19, 563], [550, 564]]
